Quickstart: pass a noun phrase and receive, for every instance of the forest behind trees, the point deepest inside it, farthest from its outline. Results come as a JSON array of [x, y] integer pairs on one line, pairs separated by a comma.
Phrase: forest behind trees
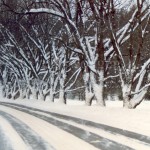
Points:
[[85, 49]]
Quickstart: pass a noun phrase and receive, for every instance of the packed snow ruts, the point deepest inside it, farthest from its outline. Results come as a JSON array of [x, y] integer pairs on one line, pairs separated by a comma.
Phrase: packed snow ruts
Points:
[[107, 128], [78, 132], [31, 139]]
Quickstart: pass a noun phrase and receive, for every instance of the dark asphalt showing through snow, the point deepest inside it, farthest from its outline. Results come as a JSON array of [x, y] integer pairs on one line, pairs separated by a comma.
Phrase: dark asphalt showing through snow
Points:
[[92, 138], [31, 139]]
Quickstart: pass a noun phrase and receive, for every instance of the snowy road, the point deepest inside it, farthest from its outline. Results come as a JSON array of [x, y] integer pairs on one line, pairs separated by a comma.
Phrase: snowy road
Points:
[[26, 128], [31, 140]]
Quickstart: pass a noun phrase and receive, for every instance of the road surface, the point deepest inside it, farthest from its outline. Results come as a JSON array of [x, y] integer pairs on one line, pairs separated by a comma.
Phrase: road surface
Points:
[[29, 128]]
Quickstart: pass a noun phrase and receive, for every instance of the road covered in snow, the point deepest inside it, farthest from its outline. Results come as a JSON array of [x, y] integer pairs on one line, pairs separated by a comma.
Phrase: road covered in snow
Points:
[[27, 127]]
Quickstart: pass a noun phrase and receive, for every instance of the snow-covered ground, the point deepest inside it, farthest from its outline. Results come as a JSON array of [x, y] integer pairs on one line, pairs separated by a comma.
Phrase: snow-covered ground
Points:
[[114, 115], [136, 120]]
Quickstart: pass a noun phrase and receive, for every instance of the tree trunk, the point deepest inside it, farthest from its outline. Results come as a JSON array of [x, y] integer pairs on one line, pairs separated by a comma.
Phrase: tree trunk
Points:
[[28, 93], [50, 97], [126, 88], [41, 96], [132, 103], [88, 97], [4, 92], [34, 94], [137, 99], [88, 89], [99, 94], [127, 101], [21, 92], [7, 91], [98, 88], [62, 97]]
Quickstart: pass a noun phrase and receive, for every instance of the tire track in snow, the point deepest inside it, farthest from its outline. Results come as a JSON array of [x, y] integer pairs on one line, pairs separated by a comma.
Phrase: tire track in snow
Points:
[[30, 138], [99, 141], [6, 143], [112, 130]]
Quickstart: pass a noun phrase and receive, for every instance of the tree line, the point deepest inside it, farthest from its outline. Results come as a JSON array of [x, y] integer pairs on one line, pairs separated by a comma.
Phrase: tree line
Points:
[[50, 48]]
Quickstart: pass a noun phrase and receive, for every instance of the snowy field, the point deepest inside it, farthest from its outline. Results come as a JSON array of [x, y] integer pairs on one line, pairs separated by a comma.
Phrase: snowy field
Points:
[[136, 120]]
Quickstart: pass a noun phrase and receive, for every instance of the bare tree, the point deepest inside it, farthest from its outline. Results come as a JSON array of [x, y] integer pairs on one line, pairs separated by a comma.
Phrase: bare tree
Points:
[[132, 67]]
